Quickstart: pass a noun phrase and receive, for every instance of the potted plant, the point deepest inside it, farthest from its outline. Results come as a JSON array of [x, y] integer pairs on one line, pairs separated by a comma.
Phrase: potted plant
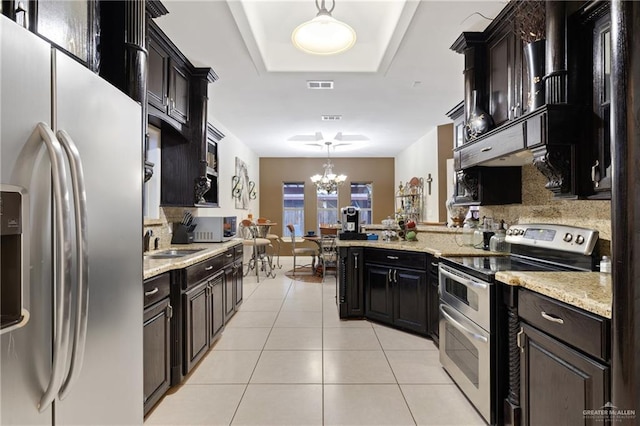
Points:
[[530, 25]]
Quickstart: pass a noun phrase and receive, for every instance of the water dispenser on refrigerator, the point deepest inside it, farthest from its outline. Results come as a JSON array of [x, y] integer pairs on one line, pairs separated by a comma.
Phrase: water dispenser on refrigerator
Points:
[[14, 260]]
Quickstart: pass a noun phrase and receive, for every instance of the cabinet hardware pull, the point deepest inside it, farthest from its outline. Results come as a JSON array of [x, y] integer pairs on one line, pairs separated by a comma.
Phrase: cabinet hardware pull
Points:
[[519, 339], [395, 275], [434, 264], [393, 257], [229, 254], [595, 174], [462, 328], [169, 312], [389, 275], [151, 292], [487, 149], [463, 281], [208, 268], [551, 317]]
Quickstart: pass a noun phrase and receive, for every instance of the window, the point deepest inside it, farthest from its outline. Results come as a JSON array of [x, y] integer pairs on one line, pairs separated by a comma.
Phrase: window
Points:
[[293, 207], [361, 197], [327, 208]]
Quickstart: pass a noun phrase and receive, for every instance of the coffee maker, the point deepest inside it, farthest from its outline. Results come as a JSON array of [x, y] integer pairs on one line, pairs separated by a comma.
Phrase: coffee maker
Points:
[[350, 219]]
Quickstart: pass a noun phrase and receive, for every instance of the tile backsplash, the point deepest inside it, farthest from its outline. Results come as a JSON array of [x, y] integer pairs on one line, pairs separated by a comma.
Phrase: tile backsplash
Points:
[[162, 227], [539, 206]]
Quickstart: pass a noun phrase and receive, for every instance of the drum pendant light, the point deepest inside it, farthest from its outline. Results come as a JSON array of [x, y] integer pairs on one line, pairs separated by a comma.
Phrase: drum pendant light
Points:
[[324, 34]]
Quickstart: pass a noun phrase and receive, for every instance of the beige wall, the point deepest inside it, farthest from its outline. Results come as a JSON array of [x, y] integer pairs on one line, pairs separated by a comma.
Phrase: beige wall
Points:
[[275, 171], [428, 156]]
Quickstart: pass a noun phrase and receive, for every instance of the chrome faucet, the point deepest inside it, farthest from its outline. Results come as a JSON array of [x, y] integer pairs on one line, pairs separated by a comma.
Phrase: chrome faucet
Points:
[[146, 240]]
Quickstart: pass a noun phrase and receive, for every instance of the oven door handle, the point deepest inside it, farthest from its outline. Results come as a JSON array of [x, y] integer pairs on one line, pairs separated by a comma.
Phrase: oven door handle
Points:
[[466, 282], [461, 327]]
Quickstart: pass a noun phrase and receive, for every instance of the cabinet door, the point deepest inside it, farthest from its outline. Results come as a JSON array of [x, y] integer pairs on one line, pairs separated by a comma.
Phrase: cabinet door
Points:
[[351, 283], [558, 383], [378, 293], [196, 324], [433, 302], [178, 94], [216, 286], [237, 280], [229, 293], [601, 168], [505, 75], [410, 299], [157, 352], [157, 79]]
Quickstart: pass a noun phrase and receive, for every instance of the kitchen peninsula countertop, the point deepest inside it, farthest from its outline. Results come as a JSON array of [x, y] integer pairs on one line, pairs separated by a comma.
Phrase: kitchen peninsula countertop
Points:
[[439, 244], [590, 291], [153, 267]]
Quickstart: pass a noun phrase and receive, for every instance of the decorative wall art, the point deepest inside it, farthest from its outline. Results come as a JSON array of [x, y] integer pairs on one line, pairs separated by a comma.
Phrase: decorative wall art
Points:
[[240, 183]]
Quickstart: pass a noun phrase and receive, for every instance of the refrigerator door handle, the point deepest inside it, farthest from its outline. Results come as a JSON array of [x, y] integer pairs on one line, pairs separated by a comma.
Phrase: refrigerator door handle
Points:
[[62, 289], [82, 261]]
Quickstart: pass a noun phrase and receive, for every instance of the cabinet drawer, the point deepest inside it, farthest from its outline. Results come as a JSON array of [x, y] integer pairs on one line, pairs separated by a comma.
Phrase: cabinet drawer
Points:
[[156, 288], [239, 251], [202, 270], [508, 141], [585, 331], [397, 258], [228, 256]]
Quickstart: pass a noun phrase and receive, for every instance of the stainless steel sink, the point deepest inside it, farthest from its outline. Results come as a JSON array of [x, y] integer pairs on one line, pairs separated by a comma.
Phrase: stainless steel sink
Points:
[[172, 253]]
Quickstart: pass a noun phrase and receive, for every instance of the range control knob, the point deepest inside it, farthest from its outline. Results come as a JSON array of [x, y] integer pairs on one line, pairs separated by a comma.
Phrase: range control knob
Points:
[[509, 231], [579, 239], [520, 231], [568, 237]]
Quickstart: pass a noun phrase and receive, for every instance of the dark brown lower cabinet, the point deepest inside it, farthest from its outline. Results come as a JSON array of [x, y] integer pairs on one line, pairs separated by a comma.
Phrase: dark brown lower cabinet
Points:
[[378, 293], [396, 295], [350, 285], [216, 301], [433, 301], [558, 382], [157, 352], [157, 339], [197, 314], [233, 287], [203, 311]]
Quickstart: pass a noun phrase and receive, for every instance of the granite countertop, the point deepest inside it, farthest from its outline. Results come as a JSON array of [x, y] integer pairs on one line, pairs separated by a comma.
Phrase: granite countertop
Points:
[[419, 228], [590, 291], [439, 244], [153, 267]]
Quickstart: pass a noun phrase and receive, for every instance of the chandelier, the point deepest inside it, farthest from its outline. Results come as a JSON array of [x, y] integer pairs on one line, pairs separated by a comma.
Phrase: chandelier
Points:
[[324, 34], [328, 182]]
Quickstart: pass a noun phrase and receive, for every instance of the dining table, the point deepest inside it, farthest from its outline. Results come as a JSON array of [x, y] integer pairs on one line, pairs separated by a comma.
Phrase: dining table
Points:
[[318, 240], [264, 228]]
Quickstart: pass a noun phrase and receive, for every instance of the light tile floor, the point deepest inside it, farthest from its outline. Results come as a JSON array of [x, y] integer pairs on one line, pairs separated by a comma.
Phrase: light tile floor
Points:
[[287, 359]]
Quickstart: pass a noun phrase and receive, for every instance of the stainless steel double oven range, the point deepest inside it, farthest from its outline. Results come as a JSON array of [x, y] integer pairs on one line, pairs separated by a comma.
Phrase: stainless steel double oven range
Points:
[[473, 324]]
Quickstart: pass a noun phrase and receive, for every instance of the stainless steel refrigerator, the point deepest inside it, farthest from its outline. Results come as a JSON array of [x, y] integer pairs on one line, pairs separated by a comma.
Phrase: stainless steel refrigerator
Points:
[[81, 223]]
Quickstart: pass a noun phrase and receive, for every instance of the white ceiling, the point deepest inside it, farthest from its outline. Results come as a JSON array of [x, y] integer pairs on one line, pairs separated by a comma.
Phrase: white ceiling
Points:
[[394, 86]]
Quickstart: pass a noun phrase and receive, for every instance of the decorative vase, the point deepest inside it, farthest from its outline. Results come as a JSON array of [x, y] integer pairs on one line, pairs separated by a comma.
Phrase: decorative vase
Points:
[[479, 121], [534, 54]]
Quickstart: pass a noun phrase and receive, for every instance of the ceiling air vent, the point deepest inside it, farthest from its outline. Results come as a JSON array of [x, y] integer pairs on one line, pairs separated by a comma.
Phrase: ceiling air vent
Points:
[[319, 84], [331, 117]]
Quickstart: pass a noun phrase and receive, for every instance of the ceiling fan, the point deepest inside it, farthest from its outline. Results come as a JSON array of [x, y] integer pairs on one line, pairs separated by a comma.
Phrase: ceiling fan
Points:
[[318, 139]]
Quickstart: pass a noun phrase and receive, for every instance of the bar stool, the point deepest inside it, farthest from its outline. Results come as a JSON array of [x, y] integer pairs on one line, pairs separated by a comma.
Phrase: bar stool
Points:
[[260, 259], [276, 244]]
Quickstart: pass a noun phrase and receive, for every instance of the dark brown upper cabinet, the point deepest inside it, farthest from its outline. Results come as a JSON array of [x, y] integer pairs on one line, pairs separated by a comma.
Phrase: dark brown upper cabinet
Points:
[[177, 98], [168, 82], [566, 136]]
